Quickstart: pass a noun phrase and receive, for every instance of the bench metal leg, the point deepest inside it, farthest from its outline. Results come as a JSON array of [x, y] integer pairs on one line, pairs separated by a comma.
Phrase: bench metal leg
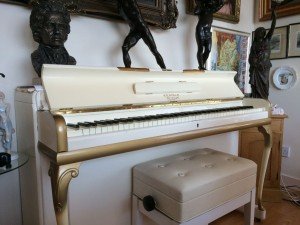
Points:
[[136, 216], [249, 210]]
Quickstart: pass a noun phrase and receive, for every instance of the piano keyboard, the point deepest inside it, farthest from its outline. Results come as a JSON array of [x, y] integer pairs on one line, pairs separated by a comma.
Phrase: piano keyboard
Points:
[[93, 127]]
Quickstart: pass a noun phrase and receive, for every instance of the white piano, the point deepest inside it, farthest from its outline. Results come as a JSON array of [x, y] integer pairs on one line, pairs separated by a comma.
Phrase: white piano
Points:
[[87, 127]]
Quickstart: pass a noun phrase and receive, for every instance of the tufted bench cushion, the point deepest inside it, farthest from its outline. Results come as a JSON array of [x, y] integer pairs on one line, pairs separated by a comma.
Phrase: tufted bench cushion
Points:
[[189, 184]]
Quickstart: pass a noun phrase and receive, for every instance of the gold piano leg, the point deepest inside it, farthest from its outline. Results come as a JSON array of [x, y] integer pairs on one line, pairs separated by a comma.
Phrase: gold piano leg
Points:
[[266, 131], [60, 179]]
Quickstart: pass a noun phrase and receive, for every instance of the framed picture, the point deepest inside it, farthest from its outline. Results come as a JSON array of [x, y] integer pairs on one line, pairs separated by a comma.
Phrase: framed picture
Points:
[[162, 13], [279, 42], [294, 40], [230, 12], [229, 52], [290, 8]]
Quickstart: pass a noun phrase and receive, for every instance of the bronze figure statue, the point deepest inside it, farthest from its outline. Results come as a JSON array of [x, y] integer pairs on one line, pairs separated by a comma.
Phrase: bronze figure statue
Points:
[[259, 60], [259, 57], [130, 11], [50, 25], [205, 10]]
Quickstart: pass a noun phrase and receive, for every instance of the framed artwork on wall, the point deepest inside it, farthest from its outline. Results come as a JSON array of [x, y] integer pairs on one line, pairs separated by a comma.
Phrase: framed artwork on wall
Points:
[[279, 42], [294, 40], [162, 13], [289, 9], [229, 52], [230, 12]]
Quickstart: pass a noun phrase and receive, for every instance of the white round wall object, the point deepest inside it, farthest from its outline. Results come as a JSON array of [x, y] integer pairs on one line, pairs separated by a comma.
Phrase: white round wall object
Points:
[[284, 77]]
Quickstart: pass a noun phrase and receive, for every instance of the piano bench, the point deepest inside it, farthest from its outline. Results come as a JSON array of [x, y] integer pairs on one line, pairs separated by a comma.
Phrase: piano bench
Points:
[[193, 188]]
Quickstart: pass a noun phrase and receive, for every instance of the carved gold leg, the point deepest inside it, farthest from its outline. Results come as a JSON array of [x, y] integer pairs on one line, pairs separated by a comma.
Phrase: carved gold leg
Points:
[[60, 179], [266, 131]]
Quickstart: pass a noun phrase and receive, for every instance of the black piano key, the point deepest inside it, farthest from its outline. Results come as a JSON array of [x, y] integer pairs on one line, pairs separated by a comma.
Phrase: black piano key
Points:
[[101, 122], [125, 120], [91, 124], [115, 122], [72, 125], [87, 124]]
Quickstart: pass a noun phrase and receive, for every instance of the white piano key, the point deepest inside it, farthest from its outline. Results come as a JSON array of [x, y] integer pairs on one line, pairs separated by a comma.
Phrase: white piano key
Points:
[[159, 122], [92, 130], [140, 124], [115, 127], [136, 125], [150, 123], [74, 132], [131, 126], [126, 126], [98, 129], [104, 129], [109, 128], [86, 131], [121, 126]]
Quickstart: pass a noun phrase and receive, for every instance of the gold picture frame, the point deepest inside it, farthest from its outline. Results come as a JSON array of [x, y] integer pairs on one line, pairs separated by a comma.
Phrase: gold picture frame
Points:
[[229, 13], [162, 13], [289, 9]]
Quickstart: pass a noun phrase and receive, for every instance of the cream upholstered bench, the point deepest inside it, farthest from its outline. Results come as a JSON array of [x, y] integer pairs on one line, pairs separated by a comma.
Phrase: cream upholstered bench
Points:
[[193, 188]]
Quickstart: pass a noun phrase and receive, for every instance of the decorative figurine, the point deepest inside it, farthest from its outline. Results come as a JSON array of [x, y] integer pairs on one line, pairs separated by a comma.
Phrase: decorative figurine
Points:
[[50, 25], [259, 60], [6, 129], [130, 11], [205, 10]]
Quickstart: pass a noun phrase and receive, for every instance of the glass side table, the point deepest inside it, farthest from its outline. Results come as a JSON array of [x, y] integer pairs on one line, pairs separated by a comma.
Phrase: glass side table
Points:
[[15, 164]]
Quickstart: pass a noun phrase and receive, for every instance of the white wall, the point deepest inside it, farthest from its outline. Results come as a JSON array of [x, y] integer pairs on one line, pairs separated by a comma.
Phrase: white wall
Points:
[[289, 100], [94, 42]]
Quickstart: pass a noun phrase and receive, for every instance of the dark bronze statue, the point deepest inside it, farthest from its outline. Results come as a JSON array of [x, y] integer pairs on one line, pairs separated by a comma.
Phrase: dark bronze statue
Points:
[[130, 11], [205, 10], [259, 57], [259, 60], [50, 25]]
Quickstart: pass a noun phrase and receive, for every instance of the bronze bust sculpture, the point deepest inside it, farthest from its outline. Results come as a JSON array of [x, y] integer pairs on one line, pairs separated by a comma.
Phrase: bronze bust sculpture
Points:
[[259, 60], [50, 25], [205, 10], [130, 11]]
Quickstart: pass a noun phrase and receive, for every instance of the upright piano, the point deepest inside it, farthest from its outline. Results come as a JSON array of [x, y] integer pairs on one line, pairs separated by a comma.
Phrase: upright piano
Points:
[[92, 125]]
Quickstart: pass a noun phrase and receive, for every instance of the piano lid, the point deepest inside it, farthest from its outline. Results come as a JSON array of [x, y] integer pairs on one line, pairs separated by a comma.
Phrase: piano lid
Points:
[[90, 87]]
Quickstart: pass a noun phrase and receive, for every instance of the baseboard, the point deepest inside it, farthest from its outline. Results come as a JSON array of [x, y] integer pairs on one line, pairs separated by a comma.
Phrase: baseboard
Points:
[[288, 181]]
